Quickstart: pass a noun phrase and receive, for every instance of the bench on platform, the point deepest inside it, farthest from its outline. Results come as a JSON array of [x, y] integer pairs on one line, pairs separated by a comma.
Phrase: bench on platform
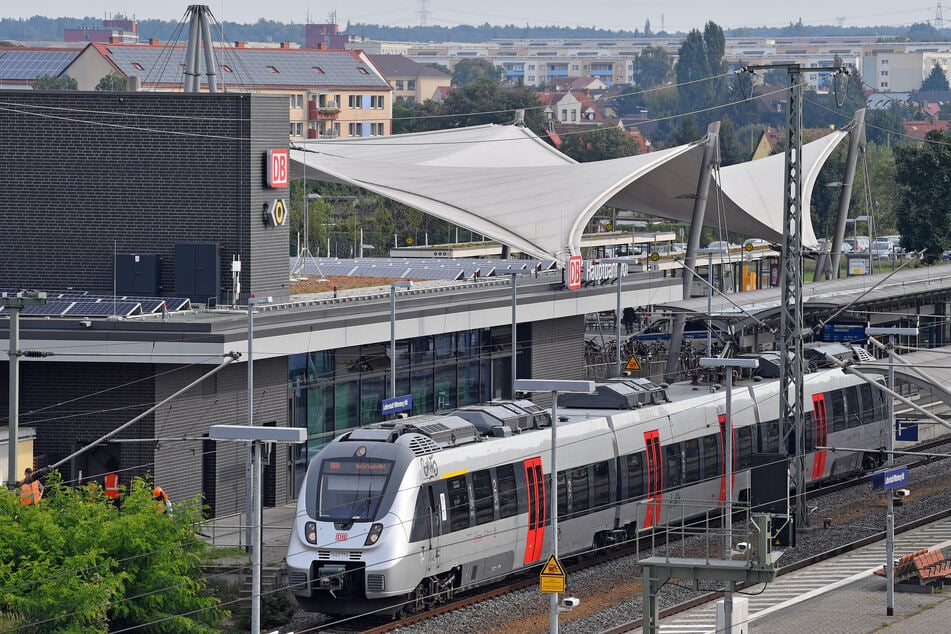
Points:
[[922, 568]]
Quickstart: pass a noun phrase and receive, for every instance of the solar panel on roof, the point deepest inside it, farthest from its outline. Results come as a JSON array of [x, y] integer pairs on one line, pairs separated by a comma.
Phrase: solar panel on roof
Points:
[[53, 308], [96, 308], [25, 65]]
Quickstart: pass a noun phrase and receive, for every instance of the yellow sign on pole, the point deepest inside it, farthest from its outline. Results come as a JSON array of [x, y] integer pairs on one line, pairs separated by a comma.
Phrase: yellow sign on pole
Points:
[[552, 576], [633, 365]]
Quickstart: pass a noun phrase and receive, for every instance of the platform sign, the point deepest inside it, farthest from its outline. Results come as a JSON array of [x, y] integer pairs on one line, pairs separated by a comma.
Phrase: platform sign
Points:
[[843, 332], [397, 404], [906, 429], [887, 479], [632, 364], [552, 577]]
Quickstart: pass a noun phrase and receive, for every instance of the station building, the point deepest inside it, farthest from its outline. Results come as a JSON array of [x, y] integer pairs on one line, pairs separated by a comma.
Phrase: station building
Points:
[[129, 196]]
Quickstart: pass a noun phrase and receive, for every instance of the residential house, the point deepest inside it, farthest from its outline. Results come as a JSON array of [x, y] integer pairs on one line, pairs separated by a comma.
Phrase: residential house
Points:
[[411, 81], [20, 66], [330, 93]]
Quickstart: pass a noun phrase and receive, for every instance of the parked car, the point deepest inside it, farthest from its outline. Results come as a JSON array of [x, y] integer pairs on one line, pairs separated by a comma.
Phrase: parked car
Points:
[[846, 247], [719, 244], [756, 243], [881, 248], [859, 244]]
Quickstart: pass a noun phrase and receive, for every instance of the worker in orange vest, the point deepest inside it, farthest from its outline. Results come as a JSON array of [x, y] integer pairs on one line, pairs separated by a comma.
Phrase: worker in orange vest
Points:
[[30, 492], [163, 504], [111, 482]]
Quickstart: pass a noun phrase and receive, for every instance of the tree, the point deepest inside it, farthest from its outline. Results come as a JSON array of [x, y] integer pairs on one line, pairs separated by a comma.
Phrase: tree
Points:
[[113, 81], [923, 194], [471, 70], [884, 127], [652, 67], [61, 82], [701, 70], [75, 562], [598, 145], [485, 102], [936, 81]]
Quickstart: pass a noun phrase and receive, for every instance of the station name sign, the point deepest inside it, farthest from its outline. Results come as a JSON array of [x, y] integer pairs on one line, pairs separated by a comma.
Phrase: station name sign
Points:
[[397, 404], [598, 272], [887, 479]]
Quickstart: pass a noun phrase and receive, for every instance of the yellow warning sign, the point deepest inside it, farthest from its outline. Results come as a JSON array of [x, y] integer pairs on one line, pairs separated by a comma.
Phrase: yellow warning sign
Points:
[[632, 364], [552, 576]]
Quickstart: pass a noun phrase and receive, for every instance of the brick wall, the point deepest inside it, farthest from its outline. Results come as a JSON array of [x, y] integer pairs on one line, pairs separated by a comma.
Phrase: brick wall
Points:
[[88, 173]]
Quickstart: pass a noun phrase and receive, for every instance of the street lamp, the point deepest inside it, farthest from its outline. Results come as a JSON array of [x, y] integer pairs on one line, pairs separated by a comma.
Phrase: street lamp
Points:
[[568, 387], [393, 287], [892, 333], [730, 365], [252, 302], [710, 253], [13, 304], [622, 270], [256, 437], [514, 273]]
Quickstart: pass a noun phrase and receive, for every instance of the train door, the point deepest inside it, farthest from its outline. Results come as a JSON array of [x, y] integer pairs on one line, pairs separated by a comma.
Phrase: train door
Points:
[[820, 423], [535, 496], [655, 478], [427, 526], [722, 420]]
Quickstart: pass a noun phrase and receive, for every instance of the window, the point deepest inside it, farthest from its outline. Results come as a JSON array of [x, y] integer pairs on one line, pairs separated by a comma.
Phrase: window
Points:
[[458, 503], [635, 475], [769, 437], [376, 102], [531, 67], [574, 67], [398, 84], [809, 426], [564, 114], [744, 447], [355, 129], [531, 78], [297, 101], [319, 70], [508, 493], [852, 412], [355, 101], [838, 410], [273, 69], [602, 485], [580, 491], [711, 457], [297, 129], [672, 462], [883, 73], [691, 460], [410, 84], [562, 495], [484, 499], [376, 129], [137, 66], [363, 70], [226, 68]]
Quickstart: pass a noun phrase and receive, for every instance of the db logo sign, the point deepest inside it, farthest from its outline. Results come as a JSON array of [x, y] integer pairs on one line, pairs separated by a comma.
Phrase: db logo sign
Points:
[[574, 272], [341, 537], [276, 213], [278, 168]]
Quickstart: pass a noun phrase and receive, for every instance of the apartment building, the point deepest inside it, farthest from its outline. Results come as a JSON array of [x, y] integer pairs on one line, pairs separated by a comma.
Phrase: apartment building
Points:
[[330, 93]]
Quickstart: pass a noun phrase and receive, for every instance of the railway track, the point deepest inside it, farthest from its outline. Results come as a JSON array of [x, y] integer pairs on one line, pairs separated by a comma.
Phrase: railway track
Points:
[[380, 624]]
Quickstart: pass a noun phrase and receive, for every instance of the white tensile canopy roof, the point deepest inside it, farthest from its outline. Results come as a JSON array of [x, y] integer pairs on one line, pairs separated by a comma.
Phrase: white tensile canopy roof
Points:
[[507, 184]]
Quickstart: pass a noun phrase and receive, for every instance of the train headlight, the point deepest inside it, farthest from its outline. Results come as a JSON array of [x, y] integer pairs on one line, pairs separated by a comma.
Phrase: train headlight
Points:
[[374, 535], [310, 532]]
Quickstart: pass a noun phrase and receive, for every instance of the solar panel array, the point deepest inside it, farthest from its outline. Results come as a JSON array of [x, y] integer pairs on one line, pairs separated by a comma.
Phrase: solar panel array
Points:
[[421, 268], [260, 67], [72, 303], [28, 65]]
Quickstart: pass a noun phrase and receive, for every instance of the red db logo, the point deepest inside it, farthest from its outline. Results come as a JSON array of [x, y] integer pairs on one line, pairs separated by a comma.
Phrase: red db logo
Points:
[[574, 272], [277, 168], [341, 537]]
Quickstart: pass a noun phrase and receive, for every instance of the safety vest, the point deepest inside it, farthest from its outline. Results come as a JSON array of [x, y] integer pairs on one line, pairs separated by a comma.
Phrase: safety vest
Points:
[[30, 493], [112, 485]]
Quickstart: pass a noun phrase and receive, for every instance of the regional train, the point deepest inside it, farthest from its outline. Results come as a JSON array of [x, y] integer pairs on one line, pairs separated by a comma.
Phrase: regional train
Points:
[[400, 515]]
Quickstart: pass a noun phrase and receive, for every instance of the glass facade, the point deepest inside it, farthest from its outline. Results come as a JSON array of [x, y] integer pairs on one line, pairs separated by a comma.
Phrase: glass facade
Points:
[[332, 391]]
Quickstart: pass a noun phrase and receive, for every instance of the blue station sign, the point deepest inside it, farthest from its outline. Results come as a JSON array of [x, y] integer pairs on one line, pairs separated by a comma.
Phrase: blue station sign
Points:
[[906, 429], [888, 479], [397, 404]]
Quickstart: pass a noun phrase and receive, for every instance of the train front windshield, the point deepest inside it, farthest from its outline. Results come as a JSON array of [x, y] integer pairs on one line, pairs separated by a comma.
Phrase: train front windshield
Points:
[[350, 490]]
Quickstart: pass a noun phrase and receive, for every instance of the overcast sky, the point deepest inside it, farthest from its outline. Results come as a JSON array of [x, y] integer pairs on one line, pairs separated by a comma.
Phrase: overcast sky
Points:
[[679, 15]]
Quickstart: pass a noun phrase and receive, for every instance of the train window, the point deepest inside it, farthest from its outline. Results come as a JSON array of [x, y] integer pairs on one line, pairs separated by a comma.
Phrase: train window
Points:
[[580, 491], [809, 425], [458, 503], [769, 437], [672, 460], [562, 495], [852, 406], [744, 447], [635, 475], [508, 498], [837, 420], [422, 517], [602, 485], [482, 492], [691, 461], [711, 457], [868, 404]]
